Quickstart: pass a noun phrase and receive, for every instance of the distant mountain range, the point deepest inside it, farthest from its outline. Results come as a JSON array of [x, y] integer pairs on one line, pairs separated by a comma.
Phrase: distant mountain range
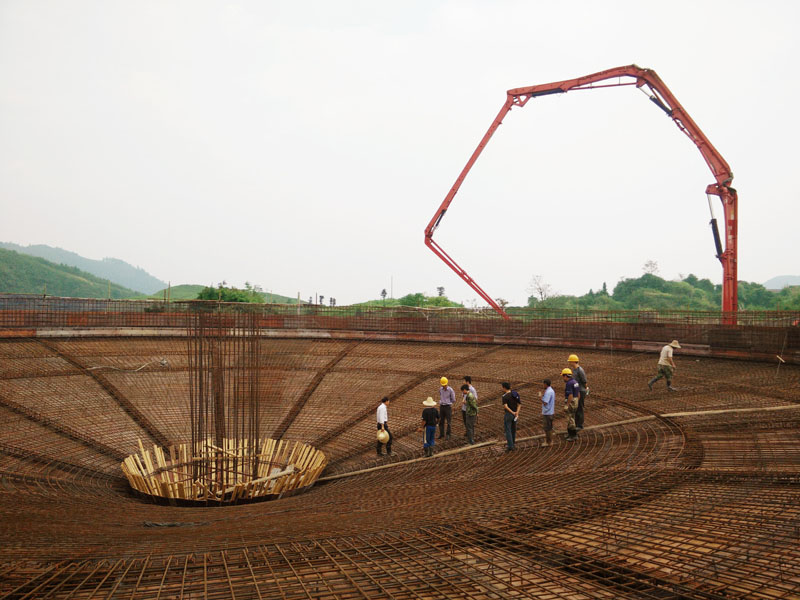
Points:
[[24, 274], [780, 282], [113, 269]]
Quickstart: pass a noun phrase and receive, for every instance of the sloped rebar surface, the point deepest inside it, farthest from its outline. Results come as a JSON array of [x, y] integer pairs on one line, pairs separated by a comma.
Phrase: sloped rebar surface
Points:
[[693, 494]]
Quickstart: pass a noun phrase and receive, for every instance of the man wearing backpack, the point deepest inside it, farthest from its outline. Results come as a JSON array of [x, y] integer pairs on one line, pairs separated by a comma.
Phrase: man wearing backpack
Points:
[[511, 402]]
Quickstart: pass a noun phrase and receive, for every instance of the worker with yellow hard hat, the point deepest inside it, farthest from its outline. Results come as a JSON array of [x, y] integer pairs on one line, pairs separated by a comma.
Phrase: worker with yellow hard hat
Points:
[[580, 376], [447, 398], [572, 392]]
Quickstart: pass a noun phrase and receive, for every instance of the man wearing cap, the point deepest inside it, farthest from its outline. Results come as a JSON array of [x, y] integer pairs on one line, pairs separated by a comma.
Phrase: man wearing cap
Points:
[[430, 417], [383, 424], [572, 392], [471, 412], [666, 366], [580, 376], [447, 398]]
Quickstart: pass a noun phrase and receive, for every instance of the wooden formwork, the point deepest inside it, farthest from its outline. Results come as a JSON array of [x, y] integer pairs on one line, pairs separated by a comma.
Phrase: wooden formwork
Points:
[[233, 473]]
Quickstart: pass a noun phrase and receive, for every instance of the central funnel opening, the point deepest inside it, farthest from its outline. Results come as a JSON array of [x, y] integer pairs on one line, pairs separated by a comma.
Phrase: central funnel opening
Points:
[[227, 461], [231, 474]]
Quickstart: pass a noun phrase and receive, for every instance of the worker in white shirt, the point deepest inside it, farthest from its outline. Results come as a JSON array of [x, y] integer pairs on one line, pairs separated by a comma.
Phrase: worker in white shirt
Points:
[[383, 424], [666, 366]]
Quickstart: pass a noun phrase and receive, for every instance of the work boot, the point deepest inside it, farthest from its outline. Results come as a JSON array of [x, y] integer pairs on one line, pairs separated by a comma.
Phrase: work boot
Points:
[[650, 384]]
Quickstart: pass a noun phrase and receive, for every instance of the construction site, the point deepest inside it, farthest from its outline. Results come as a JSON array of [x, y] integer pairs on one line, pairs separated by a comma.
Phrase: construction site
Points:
[[185, 450], [692, 494]]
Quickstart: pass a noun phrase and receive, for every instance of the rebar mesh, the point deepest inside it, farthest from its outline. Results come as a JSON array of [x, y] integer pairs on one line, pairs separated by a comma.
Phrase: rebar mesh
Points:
[[691, 494]]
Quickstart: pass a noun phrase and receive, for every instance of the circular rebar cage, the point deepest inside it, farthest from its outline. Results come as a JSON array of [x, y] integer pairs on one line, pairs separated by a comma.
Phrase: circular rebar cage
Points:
[[234, 473]]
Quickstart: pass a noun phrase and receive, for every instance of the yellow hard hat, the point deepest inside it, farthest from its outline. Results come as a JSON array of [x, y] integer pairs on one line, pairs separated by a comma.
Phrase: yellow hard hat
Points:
[[566, 371], [573, 358], [383, 436], [443, 381]]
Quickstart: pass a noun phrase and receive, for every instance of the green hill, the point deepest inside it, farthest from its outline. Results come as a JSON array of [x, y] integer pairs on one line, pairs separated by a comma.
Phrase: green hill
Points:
[[115, 270], [24, 274], [270, 298], [191, 292], [419, 300], [184, 291]]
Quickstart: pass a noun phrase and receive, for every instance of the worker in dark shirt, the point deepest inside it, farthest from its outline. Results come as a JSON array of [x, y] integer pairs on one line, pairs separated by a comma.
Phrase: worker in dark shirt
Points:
[[430, 417], [579, 375], [572, 393], [511, 402]]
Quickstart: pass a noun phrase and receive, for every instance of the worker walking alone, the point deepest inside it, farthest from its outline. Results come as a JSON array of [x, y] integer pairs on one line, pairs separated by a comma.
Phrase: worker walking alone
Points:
[[470, 413], [430, 417], [447, 398], [571, 394], [580, 376], [666, 366], [383, 424]]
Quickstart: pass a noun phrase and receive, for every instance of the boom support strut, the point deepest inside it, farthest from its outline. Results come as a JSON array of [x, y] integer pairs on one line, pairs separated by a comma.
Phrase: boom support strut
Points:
[[648, 81]]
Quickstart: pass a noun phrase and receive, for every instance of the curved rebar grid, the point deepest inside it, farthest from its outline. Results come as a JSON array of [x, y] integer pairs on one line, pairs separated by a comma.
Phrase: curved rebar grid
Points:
[[689, 495]]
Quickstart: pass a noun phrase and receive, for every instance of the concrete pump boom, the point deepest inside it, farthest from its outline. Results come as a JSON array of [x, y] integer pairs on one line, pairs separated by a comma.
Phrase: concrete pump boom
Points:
[[661, 96]]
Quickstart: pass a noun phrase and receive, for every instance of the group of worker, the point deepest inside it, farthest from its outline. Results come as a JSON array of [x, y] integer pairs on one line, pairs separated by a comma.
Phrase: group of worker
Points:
[[574, 396], [576, 388]]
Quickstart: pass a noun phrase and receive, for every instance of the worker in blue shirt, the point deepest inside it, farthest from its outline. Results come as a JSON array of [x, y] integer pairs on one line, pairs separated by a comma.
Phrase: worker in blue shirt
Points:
[[548, 410]]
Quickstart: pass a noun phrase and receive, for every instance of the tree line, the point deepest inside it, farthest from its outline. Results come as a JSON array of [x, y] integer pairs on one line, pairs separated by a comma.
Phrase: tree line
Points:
[[651, 292]]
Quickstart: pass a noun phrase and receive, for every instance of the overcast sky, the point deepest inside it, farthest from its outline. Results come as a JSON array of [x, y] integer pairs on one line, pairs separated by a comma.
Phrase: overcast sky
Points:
[[304, 146]]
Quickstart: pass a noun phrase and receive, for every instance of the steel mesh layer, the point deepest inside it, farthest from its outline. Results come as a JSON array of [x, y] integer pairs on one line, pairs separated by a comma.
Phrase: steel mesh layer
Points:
[[691, 494]]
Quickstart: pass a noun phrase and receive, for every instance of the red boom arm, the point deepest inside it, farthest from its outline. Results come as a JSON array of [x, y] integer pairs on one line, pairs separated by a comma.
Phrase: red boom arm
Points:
[[661, 96]]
